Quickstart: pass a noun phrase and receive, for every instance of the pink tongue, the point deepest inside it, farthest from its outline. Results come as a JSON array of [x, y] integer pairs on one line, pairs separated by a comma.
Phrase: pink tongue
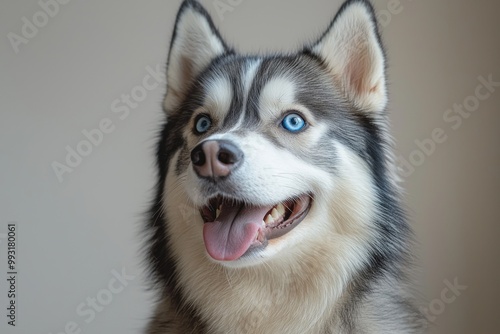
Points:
[[234, 231]]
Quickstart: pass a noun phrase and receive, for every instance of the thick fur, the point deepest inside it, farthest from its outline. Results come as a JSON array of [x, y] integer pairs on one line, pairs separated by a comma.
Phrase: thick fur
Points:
[[343, 268]]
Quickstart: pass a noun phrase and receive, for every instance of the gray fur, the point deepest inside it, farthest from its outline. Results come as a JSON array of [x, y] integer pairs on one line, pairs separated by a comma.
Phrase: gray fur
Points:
[[368, 291]]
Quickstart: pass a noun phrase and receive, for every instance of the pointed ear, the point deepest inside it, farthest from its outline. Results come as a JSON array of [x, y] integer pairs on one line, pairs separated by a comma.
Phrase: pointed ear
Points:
[[195, 44], [353, 53]]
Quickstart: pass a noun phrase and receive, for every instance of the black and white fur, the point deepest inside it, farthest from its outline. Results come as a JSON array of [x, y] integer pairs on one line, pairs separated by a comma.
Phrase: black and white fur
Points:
[[343, 268]]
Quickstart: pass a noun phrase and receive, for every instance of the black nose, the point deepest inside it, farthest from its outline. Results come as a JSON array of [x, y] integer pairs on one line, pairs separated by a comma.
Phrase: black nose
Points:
[[216, 158]]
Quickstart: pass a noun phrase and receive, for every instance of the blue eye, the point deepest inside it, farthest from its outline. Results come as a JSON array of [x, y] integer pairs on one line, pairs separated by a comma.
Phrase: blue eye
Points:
[[203, 124], [293, 122]]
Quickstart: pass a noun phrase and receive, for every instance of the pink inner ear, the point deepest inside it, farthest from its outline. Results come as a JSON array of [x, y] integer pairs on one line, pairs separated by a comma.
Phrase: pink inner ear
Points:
[[187, 69], [354, 55], [374, 89], [358, 73]]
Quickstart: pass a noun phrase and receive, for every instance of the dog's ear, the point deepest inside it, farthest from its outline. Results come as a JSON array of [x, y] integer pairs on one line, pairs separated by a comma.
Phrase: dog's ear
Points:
[[353, 53], [195, 44]]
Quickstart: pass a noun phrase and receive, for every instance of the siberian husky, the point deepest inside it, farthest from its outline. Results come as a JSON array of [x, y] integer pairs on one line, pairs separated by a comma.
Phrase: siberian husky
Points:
[[277, 208]]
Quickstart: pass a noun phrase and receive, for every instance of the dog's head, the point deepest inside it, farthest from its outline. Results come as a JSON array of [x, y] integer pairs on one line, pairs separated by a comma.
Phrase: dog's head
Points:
[[272, 152]]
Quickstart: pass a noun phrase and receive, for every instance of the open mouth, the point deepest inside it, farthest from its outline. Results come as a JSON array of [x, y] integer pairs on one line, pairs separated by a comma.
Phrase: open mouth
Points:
[[232, 228]]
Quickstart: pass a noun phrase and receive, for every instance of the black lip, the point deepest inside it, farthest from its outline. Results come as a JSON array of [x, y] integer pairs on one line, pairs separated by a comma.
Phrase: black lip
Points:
[[291, 223], [274, 233]]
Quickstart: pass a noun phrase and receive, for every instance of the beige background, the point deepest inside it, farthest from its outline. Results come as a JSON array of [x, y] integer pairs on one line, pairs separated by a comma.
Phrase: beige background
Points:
[[72, 235]]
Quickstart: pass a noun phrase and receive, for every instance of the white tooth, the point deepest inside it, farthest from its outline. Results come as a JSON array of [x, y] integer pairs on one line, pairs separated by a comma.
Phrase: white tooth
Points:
[[217, 212], [269, 220], [275, 214], [281, 209]]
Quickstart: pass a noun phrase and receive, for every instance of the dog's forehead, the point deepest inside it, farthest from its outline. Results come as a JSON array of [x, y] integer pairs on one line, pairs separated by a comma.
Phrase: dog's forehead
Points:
[[245, 91]]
